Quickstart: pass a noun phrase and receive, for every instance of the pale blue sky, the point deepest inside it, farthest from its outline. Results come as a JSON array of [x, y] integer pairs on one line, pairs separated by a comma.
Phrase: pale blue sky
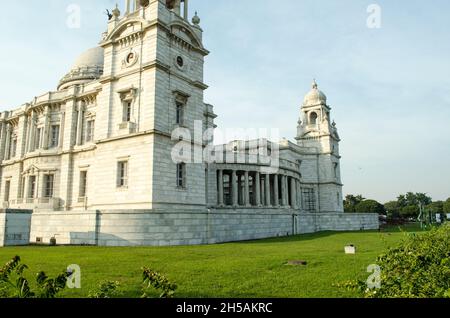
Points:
[[389, 88]]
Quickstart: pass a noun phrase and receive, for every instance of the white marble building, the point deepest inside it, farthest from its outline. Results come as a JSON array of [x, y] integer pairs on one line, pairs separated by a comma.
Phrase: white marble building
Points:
[[91, 163]]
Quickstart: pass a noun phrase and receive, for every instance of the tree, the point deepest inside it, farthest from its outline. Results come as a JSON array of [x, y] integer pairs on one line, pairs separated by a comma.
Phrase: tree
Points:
[[410, 211], [370, 206], [392, 209], [446, 206], [351, 201], [435, 207]]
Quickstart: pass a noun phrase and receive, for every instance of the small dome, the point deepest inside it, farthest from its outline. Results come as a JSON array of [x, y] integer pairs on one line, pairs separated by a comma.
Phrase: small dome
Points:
[[196, 19], [315, 96], [87, 67]]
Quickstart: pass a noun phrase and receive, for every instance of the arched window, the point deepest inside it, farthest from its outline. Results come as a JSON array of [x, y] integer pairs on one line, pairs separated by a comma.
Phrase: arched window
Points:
[[313, 118]]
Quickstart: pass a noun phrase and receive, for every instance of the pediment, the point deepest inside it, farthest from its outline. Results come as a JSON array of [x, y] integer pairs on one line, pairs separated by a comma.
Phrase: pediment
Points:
[[185, 33]]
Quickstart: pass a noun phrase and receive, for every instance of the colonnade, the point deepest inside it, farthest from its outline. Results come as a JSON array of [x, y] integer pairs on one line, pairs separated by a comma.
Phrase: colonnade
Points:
[[236, 188]]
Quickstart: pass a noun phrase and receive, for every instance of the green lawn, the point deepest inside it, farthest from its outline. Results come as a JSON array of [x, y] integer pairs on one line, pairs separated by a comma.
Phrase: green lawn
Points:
[[247, 269]]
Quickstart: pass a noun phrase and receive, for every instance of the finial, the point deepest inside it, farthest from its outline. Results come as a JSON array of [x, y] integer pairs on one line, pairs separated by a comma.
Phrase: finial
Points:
[[314, 84], [116, 11], [196, 19]]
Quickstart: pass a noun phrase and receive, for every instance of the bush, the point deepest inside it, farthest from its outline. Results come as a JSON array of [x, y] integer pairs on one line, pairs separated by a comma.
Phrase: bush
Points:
[[418, 268], [13, 283], [106, 289], [158, 282]]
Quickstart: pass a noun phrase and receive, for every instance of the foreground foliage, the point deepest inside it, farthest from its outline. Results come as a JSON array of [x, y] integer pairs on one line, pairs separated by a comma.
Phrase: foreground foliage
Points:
[[14, 284], [418, 268], [159, 282]]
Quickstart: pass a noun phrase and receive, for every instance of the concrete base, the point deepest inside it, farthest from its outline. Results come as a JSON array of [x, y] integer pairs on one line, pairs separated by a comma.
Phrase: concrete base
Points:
[[162, 228]]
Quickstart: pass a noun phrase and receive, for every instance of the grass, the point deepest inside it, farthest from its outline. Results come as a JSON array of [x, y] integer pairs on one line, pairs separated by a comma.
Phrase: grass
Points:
[[248, 269]]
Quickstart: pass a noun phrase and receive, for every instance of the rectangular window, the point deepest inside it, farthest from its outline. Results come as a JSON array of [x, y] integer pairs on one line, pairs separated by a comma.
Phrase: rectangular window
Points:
[[90, 131], [32, 187], [122, 174], [37, 144], [48, 185], [83, 184], [180, 113], [309, 200], [127, 111], [54, 137], [7, 190], [181, 175]]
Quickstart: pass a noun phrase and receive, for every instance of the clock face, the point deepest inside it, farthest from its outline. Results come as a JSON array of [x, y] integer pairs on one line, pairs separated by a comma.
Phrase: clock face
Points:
[[130, 58]]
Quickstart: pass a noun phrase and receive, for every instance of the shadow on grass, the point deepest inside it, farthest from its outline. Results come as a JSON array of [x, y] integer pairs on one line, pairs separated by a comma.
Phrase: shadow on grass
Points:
[[407, 228]]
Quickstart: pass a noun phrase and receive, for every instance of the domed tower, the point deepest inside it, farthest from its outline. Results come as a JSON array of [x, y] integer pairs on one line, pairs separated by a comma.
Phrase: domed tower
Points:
[[87, 67], [316, 130]]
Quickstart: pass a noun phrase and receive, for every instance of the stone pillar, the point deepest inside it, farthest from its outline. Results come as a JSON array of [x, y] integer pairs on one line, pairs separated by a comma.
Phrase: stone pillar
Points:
[[283, 191], [22, 136], [276, 201], [263, 192], [61, 130], [234, 189], [286, 192], [257, 189], [8, 141], [186, 9], [220, 190], [267, 189], [3, 141], [240, 192], [79, 125], [247, 190], [294, 193], [46, 128], [31, 144]]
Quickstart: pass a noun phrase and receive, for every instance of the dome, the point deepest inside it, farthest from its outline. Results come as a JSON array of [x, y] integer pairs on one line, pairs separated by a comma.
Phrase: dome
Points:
[[315, 96], [87, 67]]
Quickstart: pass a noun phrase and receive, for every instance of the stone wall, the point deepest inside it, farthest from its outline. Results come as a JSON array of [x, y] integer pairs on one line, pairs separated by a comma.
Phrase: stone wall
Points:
[[15, 227], [189, 227]]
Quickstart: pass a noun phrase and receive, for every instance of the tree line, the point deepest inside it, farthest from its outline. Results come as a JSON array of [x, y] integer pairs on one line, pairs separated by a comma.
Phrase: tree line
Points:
[[406, 206]]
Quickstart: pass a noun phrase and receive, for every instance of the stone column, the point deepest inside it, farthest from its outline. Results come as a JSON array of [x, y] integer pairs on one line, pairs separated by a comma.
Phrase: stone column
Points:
[[46, 128], [276, 201], [240, 192], [61, 130], [220, 192], [234, 189], [3, 141], [28, 135], [283, 191], [8, 141], [263, 192], [267, 188], [32, 145], [79, 125], [294, 193], [257, 189], [247, 190], [186, 10]]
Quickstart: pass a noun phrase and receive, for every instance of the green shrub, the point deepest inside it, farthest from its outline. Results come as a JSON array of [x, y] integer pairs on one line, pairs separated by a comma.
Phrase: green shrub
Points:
[[418, 268], [158, 282], [13, 283], [106, 289]]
